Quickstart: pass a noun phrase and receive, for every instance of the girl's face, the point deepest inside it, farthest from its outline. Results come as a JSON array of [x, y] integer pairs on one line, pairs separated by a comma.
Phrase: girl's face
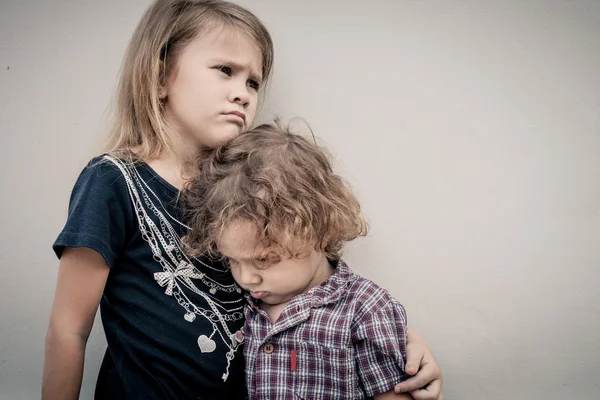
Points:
[[212, 92]]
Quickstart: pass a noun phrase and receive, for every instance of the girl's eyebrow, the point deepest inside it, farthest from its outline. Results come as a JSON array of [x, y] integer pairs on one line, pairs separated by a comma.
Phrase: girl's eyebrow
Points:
[[238, 67]]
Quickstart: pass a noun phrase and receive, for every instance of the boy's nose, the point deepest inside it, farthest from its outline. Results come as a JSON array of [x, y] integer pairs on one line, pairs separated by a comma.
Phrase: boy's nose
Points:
[[249, 276]]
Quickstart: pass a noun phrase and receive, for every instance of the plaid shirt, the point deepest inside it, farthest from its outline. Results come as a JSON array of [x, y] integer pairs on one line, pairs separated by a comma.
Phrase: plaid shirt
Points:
[[344, 339]]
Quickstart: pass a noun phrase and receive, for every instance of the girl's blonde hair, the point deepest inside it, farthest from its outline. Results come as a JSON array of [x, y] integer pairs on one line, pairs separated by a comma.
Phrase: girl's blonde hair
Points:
[[164, 30], [283, 184]]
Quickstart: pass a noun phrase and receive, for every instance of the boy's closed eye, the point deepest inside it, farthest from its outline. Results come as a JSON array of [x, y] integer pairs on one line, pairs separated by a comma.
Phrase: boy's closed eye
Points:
[[230, 261], [266, 260], [261, 262]]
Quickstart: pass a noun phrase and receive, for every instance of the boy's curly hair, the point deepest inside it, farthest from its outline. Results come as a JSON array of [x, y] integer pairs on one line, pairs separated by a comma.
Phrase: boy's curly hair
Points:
[[281, 182]]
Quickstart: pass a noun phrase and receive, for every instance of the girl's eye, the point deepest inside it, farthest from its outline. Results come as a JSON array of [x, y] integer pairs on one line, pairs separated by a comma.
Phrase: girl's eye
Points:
[[225, 69], [253, 84]]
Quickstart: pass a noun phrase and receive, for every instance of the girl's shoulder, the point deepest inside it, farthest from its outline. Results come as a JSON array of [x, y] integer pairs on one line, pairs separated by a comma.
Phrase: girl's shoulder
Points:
[[113, 169], [120, 181], [102, 173], [122, 168], [110, 179], [100, 214], [111, 163]]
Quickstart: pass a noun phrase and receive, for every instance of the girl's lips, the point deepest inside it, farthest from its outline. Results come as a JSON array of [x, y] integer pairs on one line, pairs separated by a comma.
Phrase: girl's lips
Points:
[[258, 295], [236, 117]]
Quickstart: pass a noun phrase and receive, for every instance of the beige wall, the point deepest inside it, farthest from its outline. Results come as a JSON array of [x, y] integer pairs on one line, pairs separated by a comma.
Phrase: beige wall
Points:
[[470, 129]]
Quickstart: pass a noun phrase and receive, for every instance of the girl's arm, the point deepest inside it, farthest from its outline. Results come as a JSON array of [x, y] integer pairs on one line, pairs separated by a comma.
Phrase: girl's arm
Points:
[[81, 279], [427, 383]]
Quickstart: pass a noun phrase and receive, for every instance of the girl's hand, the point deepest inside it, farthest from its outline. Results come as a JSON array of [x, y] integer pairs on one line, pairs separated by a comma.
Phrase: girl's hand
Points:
[[427, 383]]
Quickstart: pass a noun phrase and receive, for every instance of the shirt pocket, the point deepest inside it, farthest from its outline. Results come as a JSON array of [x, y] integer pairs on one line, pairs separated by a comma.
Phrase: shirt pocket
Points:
[[325, 373]]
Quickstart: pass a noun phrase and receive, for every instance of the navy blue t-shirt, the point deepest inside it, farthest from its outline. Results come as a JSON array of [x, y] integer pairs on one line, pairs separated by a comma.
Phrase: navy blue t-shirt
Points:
[[172, 323]]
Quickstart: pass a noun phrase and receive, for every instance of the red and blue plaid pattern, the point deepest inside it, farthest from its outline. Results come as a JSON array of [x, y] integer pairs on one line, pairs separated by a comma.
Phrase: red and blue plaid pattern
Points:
[[344, 339]]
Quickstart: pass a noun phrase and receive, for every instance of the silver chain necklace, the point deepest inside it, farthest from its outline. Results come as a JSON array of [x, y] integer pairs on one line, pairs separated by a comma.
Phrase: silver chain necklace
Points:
[[180, 271]]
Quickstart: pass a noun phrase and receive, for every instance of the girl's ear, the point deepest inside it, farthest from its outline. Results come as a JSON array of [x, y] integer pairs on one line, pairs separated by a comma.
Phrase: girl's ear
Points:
[[162, 91], [163, 87], [163, 82]]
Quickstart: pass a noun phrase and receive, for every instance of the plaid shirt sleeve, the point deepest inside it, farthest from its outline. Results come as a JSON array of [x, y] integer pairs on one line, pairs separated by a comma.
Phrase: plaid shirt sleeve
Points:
[[379, 339]]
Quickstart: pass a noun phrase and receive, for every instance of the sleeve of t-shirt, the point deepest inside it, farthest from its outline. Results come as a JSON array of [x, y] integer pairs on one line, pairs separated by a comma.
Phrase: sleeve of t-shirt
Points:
[[380, 347], [100, 212]]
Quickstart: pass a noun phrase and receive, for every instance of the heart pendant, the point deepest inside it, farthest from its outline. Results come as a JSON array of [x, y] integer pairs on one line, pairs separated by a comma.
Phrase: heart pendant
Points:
[[239, 336], [206, 344], [213, 290], [189, 317]]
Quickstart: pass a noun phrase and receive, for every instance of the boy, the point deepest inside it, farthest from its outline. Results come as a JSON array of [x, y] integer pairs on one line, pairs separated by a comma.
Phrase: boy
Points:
[[269, 203]]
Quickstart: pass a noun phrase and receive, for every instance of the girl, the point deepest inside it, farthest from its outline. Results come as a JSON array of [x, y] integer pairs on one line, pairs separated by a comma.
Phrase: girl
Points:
[[190, 80]]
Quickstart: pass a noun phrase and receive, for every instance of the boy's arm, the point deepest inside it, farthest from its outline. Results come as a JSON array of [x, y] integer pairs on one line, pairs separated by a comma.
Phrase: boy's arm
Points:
[[81, 279], [379, 341]]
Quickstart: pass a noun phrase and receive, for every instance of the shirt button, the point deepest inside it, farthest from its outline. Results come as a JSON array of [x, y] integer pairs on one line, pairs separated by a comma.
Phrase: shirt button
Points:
[[268, 348]]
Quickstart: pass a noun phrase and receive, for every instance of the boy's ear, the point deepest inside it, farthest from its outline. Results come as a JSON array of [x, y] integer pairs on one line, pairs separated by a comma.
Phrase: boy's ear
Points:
[[324, 244]]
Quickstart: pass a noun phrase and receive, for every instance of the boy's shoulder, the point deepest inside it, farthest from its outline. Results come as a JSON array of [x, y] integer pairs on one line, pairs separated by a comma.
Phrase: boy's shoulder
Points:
[[366, 295]]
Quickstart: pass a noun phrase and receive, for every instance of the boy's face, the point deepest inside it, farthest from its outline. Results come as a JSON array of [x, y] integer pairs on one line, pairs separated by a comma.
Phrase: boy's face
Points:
[[277, 278]]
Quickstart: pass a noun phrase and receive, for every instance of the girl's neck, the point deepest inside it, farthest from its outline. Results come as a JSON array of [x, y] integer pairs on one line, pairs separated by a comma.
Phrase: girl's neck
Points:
[[175, 167], [170, 169]]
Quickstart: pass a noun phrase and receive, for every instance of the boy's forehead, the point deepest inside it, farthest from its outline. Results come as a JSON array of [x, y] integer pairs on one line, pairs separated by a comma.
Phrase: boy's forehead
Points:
[[238, 239]]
